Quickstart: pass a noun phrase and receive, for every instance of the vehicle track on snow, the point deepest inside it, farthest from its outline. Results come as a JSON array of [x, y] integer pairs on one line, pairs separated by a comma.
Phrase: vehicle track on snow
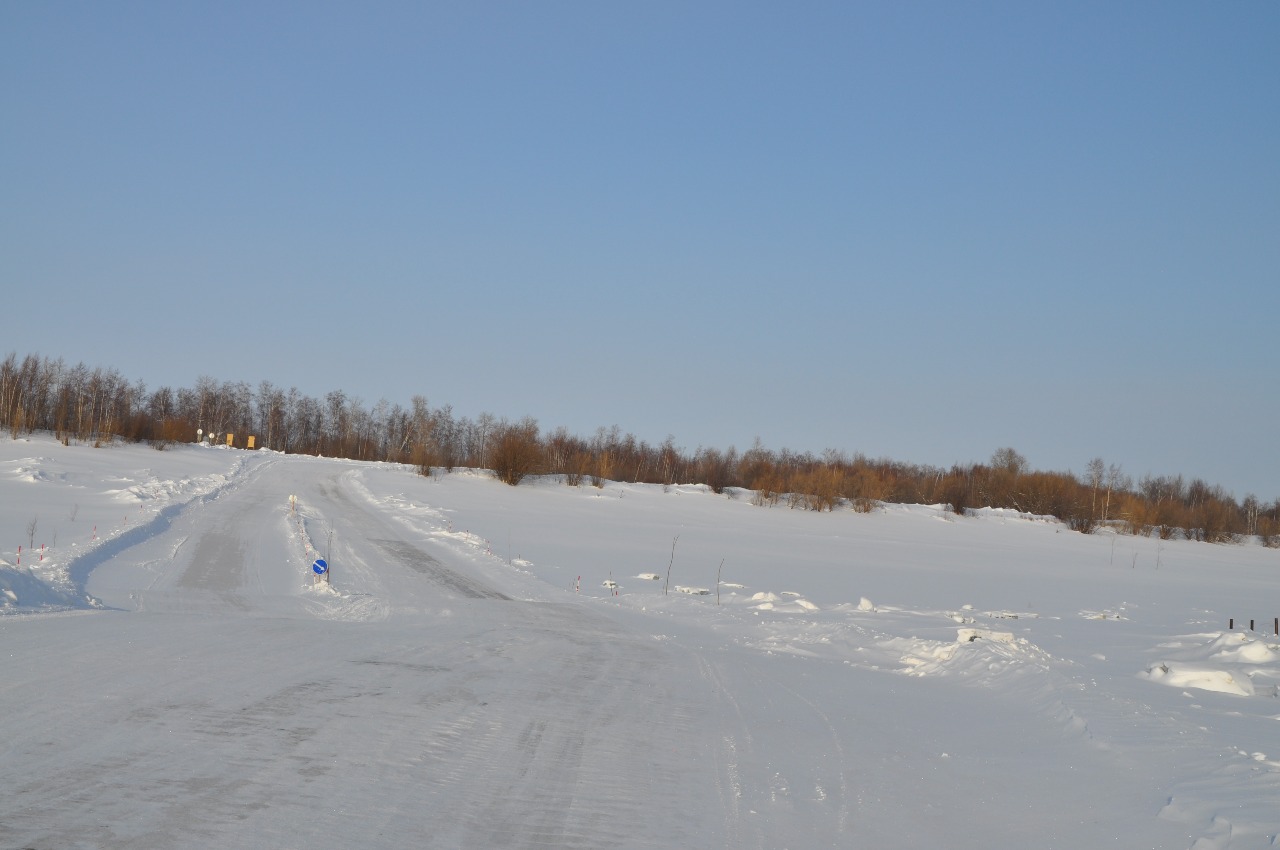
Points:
[[420, 562], [361, 523]]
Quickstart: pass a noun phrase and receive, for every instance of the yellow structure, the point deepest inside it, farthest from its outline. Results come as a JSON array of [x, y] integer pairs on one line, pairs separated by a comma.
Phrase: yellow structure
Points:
[[251, 439], [231, 439]]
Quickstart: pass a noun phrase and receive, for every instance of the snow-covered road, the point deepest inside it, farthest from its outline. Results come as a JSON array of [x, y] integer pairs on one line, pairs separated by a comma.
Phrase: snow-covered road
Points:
[[218, 706], [440, 694]]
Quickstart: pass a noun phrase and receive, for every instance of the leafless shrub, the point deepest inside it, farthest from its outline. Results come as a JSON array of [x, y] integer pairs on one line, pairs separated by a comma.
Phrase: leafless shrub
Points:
[[517, 452], [1082, 523]]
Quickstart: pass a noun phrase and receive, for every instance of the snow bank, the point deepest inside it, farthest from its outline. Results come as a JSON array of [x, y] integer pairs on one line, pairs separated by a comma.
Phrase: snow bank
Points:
[[1179, 675], [70, 507], [1237, 663]]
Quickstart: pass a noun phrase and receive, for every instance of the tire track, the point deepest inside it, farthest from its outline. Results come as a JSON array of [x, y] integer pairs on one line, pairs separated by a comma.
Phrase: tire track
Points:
[[420, 562]]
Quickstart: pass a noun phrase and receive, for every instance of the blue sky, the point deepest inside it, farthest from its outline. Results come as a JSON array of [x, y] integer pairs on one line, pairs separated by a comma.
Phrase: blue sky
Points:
[[915, 230]]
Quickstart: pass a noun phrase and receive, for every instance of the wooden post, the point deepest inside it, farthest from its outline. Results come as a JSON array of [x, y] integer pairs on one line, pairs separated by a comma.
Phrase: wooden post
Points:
[[669, 563]]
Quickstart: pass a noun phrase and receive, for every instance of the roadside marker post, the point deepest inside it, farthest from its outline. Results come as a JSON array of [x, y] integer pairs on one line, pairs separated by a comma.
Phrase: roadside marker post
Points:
[[1275, 625]]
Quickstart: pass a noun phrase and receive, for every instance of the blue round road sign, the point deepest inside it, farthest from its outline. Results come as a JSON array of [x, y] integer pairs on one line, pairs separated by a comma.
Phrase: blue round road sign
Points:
[[320, 566]]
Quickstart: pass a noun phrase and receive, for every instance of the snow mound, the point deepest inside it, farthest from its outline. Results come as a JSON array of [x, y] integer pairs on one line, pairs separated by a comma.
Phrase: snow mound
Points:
[[22, 589], [1242, 649], [971, 635], [1200, 677], [919, 653], [974, 651], [766, 601], [1230, 663], [1102, 615]]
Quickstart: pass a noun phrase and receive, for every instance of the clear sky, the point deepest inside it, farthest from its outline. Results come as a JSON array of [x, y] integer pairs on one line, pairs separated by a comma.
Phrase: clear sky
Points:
[[917, 230]]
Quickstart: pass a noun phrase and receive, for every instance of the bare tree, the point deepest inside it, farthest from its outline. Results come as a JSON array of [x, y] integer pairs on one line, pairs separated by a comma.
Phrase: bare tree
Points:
[[1008, 460], [1116, 480], [1094, 474]]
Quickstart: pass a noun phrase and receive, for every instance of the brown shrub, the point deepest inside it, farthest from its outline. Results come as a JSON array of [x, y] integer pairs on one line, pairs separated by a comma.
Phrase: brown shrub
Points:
[[517, 452]]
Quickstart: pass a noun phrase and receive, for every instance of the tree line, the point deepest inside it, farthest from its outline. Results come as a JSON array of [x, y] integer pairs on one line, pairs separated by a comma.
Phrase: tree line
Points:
[[96, 406]]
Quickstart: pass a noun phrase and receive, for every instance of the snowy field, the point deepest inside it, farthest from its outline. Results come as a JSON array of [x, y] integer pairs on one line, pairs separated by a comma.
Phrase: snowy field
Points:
[[501, 667]]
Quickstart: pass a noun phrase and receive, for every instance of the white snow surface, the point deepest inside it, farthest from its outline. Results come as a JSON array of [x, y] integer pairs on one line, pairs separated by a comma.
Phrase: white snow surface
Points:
[[537, 667]]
